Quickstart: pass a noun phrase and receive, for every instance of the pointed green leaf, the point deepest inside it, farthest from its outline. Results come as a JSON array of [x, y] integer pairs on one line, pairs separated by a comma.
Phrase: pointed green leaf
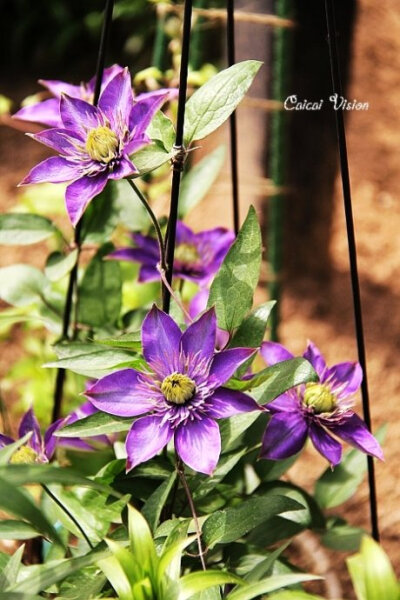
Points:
[[141, 540], [9, 575], [16, 530], [225, 526], [162, 130], [199, 180], [273, 381], [116, 575], [97, 424], [270, 584], [17, 502], [215, 101], [196, 582], [58, 265], [21, 285], [372, 574], [100, 290], [151, 157], [233, 287], [20, 229], [155, 502], [7, 452], [131, 341]]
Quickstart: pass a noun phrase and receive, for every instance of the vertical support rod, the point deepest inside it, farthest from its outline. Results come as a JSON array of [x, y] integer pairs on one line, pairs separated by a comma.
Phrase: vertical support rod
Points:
[[230, 38], [277, 159], [178, 162], [73, 278], [344, 170]]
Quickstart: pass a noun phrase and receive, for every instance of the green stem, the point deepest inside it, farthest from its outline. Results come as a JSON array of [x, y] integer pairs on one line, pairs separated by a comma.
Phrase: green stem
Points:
[[181, 473], [153, 220]]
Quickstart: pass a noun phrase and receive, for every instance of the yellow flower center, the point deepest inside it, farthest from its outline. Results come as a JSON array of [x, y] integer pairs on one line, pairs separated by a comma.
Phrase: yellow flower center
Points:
[[102, 144], [186, 253], [24, 456], [319, 397], [178, 388]]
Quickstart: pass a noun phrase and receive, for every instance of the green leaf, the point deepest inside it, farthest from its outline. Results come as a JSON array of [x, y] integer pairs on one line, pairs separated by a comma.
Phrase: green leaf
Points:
[[46, 575], [58, 265], [19, 596], [131, 341], [7, 452], [141, 540], [10, 529], [21, 285], [131, 212], [85, 584], [100, 290], [336, 486], [151, 157], [116, 575], [20, 229], [251, 332], [273, 381], [97, 424], [343, 537], [372, 574], [233, 286], [17, 502], [199, 180], [19, 475], [86, 359], [196, 582], [269, 585], [161, 129], [9, 575], [228, 525], [155, 503], [101, 216], [216, 100]]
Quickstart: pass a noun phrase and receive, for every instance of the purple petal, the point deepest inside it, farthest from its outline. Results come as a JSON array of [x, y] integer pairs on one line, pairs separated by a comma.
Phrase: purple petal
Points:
[[50, 441], [325, 444], [184, 235], [55, 169], [147, 273], [314, 356], [79, 115], [354, 431], [160, 341], [80, 193], [199, 337], [274, 353], [46, 112], [57, 88], [85, 410], [30, 423], [287, 402], [61, 140], [122, 393], [5, 440], [146, 438], [116, 100], [124, 254], [143, 111], [122, 169], [198, 444], [285, 435], [136, 143], [108, 74], [226, 362], [147, 244], [345, 376], [226, 403]]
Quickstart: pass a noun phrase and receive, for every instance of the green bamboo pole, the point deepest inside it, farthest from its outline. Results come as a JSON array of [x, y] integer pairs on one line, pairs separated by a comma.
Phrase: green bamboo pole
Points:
[[278, 154]]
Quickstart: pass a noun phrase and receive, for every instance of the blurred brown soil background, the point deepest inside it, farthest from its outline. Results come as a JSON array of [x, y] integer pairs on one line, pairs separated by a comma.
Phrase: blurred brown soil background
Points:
[[315, 306]]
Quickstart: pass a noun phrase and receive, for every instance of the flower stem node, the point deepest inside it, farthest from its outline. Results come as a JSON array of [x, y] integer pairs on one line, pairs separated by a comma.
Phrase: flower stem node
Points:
[[178, 388], [102, 144], [319, 397], [24, 456]]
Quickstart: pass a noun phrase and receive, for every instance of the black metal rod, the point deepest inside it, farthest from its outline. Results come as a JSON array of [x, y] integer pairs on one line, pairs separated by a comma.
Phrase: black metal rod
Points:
[[230, 39], [73, 277], [178, 162], [344, 169]]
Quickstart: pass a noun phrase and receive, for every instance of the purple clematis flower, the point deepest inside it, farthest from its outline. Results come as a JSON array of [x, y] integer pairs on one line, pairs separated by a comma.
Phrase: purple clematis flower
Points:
[[198, 256], [197, 305], [95, 142], [40, 449], [47, 112], [181, 396], [316, 410]]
